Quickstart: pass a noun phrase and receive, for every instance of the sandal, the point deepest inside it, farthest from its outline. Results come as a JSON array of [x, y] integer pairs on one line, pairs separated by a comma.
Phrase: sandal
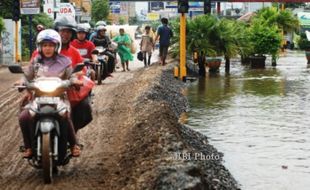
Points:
[[75, 151], [27, 153]]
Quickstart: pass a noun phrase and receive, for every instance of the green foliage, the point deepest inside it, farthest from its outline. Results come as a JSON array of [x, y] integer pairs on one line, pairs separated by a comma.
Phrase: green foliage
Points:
[[2, 27], [287, 21], [122, 20], [267, 27], [284, 19], [243, 42], [6, 9], [213, 37], [100, 10], [133, 20], [155, 24], [266, 40], [303, 42], [198, 33], [41, 18]]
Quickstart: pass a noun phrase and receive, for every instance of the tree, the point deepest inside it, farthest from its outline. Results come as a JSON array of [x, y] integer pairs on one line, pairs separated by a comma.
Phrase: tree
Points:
[[6, 8], [100, 10], [2, 27], [133, 20], [41, 18], [122, 20]]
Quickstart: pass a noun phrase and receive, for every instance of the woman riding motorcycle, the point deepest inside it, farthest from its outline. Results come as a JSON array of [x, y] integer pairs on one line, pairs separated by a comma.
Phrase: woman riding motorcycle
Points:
[[48, 63]]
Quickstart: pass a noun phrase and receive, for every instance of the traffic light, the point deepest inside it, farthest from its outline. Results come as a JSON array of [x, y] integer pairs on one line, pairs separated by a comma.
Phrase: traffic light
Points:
[[183, 6], [207, 6], [16, 10]]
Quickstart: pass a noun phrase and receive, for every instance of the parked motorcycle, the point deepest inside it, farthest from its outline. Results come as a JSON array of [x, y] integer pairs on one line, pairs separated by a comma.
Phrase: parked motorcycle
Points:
[[48, 108], [106, 59]]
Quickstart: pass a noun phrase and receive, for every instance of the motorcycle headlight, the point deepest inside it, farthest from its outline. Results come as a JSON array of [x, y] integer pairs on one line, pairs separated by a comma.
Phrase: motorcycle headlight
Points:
[[47, 86], [46, 126]]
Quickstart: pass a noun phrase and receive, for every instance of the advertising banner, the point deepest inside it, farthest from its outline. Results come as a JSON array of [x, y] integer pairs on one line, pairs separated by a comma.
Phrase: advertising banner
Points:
[[29, 7]]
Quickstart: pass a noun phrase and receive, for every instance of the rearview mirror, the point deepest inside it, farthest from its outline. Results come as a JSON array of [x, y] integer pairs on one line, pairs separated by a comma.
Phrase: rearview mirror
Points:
[[78, 68], [15, 68]]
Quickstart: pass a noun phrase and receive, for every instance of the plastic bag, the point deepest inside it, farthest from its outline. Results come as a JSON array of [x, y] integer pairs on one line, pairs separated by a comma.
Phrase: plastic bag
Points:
[[133, 48], [140, 56], [75, 96]]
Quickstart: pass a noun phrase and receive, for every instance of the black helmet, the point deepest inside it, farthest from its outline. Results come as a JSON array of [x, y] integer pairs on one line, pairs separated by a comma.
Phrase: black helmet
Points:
[[82, 28], [65, 22]]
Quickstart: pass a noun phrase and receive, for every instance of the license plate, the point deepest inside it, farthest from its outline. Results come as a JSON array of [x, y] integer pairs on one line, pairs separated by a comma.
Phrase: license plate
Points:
[[47, 100]]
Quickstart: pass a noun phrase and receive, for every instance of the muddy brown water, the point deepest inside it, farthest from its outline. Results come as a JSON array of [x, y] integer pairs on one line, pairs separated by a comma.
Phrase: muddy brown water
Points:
[[260, 120]]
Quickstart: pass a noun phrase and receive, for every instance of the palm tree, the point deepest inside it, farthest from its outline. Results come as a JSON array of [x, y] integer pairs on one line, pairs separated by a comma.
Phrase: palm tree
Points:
[[283, 19]]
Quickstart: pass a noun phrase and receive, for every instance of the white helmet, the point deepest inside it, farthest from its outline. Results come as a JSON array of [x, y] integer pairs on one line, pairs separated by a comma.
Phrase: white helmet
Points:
[[101, 27], [101, 23], [49, 35]]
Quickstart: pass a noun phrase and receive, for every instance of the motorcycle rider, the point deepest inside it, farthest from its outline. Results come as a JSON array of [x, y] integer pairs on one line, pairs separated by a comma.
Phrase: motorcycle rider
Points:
[[101, 39], [66, 26], [84, 46], [94, 33], [48, 62]]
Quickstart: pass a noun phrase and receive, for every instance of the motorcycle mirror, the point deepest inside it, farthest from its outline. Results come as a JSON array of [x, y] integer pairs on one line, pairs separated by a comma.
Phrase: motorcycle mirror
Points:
[[78, 68], [95, 51], [15, 68], [86, 61]]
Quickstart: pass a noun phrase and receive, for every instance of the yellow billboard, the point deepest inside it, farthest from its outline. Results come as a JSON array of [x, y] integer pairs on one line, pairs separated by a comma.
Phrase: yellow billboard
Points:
[[152, 16]]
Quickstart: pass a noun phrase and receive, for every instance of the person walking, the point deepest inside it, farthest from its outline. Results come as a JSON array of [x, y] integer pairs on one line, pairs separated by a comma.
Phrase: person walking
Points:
[[164, 33], [147, 46], [123, 41]]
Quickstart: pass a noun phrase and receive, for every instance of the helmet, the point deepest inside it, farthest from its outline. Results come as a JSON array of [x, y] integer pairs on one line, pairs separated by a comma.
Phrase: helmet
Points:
[[82, 28], [65, 22], [101, 23], [101, 27], [49, 35]]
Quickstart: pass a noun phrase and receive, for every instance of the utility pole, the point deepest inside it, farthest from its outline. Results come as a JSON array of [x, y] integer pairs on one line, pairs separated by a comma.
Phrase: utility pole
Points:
[[16, 15], [54, 9], [183, 7]]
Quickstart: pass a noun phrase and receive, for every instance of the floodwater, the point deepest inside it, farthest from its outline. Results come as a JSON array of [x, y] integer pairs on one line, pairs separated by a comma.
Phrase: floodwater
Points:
[[260, 120]]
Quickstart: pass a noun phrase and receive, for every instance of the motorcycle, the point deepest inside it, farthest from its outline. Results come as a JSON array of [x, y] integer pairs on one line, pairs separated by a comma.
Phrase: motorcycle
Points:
[[50, 142], [106, 59]]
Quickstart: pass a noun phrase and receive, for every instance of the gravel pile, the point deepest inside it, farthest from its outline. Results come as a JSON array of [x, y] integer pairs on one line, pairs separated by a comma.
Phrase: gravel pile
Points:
[[162, 153]]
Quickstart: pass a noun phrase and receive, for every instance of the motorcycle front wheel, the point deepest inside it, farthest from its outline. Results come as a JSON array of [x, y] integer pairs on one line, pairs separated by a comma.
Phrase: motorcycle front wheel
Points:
[[47, 159], [99, 73]]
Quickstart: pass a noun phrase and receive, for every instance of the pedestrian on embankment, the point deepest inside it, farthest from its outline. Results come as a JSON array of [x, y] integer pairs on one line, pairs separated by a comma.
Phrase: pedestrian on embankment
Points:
[[164, 33], [123, 41], [147, 46]]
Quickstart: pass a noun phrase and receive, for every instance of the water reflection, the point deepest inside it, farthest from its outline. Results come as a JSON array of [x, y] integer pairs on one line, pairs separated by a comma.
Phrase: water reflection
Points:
[[263, 82], [260, 120]]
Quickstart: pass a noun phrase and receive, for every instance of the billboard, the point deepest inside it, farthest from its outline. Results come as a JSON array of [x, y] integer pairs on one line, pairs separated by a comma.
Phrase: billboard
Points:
[[115, 7], [63, 9], [29, 7]]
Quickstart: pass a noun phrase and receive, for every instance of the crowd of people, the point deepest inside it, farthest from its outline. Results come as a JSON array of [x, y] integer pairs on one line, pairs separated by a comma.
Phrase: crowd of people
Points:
[[60, 49]]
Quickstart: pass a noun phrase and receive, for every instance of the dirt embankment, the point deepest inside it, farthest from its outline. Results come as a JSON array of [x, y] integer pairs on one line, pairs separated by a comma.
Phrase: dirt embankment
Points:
[[160, 153], [134, 142]]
